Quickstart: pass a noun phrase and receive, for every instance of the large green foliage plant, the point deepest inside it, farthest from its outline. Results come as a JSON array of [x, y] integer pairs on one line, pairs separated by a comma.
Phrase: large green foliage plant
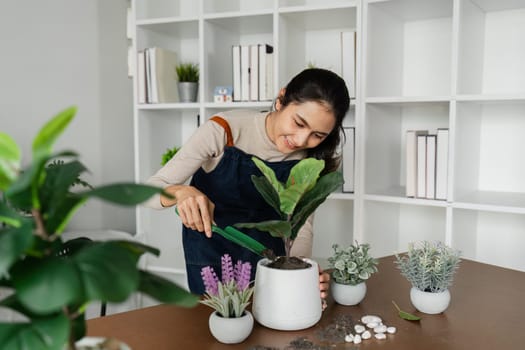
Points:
[[50, 280]]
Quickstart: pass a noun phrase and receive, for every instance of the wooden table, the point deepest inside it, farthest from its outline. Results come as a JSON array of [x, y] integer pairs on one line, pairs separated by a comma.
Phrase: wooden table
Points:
[[487, 311]]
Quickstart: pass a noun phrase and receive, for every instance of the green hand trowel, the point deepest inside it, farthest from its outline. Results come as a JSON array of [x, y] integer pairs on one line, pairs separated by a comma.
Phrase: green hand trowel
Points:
[[242, 239]]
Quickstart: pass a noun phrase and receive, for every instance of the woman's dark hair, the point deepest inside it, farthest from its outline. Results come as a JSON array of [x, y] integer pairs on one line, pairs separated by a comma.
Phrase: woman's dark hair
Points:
[[325, 87]]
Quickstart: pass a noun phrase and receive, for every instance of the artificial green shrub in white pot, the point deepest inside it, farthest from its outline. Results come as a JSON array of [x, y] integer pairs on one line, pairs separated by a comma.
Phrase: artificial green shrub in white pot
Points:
[[352, 266], [430, 269]]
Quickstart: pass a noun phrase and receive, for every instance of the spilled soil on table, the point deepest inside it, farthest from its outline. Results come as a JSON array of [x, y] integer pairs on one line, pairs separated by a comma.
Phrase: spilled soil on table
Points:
[[328, 337]]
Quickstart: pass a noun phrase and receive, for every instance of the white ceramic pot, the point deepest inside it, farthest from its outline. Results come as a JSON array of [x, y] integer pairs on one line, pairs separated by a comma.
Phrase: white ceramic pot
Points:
[[287, 299], [90, 343], [430, 303], [347, 294], [231, 330]]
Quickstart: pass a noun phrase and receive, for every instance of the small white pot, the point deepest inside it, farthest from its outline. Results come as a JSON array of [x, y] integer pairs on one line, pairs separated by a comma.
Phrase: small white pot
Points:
[[347, 294], [287, 299], [430, 303], [231, 330]]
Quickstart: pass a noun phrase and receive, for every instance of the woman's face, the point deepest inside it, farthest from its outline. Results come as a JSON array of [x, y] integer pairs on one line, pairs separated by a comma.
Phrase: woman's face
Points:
[[300, 126]]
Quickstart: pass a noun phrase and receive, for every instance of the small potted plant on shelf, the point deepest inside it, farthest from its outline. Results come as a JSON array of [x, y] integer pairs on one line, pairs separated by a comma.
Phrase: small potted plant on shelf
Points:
[[430, 269], [230, 323], [50, 280], [166, 156], [286, 293], [188, 76], [352, 266]]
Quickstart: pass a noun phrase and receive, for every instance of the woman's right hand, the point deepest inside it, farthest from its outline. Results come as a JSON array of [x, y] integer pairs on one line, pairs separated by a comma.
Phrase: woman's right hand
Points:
[[194, 207]]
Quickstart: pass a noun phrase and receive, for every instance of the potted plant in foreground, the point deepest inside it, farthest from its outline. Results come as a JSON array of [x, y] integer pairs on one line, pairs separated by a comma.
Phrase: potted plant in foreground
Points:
[[188, 75], [430, 268], [52, 280], [286, 295], [352, 266], [230, 323]]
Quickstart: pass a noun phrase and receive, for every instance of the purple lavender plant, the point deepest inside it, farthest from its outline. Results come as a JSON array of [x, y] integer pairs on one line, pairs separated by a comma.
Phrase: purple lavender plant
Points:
[[231, 296]]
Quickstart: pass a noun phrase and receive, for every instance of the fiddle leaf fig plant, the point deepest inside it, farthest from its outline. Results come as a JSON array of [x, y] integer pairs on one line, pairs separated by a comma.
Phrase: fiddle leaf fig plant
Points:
[[50, 280], [295, 200]]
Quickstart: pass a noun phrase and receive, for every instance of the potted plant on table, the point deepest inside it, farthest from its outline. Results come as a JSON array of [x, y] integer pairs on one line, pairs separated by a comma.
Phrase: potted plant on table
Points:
[[188, 75], [430, 268], [231, 322], [286, 295], [51, 280], [352, 266]]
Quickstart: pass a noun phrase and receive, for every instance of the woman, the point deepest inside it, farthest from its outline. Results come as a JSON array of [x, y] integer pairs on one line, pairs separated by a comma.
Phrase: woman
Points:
[[306, 121]]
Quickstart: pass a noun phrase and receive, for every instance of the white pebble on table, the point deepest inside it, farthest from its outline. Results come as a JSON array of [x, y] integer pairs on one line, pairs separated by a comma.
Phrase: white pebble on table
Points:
[[359, 328], [380, 329], [357, 339], [371, 318], [380, 336], [366, 335], [391, 330]]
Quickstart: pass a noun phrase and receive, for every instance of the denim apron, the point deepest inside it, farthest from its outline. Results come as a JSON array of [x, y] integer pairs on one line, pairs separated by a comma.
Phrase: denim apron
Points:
[[230, 188]]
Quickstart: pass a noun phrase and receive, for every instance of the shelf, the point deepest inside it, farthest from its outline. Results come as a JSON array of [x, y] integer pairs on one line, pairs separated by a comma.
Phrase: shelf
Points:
[[240, 8], [312, 37], [407, 100], [321, 5], [153, 9], [396, 195], [486, 63], [390, 227], [492, 201], [386, 125], [163, 106], [408, 48]]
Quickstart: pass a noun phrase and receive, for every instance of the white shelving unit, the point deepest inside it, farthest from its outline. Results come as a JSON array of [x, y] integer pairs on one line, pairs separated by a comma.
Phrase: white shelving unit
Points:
[[421, 64]]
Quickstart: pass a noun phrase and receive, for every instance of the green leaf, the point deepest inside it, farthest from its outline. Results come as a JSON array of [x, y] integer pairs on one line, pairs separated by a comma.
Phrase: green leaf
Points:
[[9, 216], [268, 192], [46, 285], [313, 198], [9, 160], [43, 334], [290, 196], [269, 174], [166, 291], [107, 270], [46, 137], [13, 243], [277, 228], [405, 315], [124, 194], [305, 172]]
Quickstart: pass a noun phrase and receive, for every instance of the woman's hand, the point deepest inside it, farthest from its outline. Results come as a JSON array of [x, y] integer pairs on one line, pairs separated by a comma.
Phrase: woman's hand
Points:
[[324, 285], [194, 207]]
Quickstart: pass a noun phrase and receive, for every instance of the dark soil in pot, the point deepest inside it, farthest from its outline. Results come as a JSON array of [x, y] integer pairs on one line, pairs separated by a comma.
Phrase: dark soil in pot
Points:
[[289, 263]]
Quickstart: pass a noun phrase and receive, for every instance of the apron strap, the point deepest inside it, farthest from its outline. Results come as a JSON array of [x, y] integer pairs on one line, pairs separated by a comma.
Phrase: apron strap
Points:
[[222, 122]]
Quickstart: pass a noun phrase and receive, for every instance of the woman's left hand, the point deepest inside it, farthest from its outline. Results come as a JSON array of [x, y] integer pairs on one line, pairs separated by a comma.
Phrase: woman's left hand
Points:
[[324, 285]]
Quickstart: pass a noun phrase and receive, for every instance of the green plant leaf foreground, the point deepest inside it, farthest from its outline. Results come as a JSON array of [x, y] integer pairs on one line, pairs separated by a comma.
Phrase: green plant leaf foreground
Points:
[[405, 315]]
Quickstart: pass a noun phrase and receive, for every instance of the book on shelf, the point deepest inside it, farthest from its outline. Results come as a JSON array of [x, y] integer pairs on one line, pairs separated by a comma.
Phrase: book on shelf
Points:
[[265, 72], [141, 77], [421, 156], [411, 160], [236, 67], [254, 72], [164, 76], [430, 162], [348, 61], [245, 72], [348, 164], [442, 163]]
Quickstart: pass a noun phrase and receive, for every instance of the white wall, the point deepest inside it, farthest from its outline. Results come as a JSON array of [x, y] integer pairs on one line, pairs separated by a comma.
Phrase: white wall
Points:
[[57, 53]]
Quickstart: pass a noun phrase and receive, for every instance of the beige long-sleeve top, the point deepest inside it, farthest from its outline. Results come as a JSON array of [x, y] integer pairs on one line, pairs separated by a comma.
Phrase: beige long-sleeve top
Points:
[[206, 147]]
